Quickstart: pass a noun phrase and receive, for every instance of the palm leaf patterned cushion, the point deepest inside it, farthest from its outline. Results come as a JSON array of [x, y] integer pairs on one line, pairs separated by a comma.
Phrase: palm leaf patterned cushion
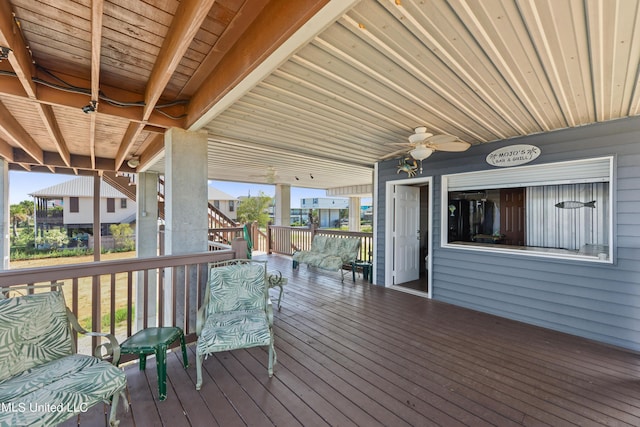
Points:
[[237, 287], [41, 382], [71, 385], [236, 313], [329, 253], [33, 330]]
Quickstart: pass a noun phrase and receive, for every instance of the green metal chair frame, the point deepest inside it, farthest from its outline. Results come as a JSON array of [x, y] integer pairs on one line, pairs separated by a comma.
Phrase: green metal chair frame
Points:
[[236, 312]]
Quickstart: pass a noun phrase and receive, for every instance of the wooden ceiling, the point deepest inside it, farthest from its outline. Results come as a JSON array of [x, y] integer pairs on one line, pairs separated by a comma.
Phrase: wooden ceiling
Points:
[[289, 90]]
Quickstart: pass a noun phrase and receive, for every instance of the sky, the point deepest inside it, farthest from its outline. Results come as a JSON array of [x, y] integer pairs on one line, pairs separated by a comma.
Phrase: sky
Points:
[[23, 183]]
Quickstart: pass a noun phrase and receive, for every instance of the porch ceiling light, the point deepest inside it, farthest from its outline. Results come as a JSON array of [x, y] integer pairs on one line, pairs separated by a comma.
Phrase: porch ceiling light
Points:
[[133, 162], [421, 152]]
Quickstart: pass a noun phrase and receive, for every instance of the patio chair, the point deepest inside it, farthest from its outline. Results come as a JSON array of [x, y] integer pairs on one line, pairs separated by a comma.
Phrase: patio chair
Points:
[[236, 312]]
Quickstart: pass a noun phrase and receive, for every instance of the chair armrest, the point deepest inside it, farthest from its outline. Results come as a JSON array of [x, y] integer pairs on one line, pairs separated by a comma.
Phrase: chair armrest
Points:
[[269, 310], [111, 348]]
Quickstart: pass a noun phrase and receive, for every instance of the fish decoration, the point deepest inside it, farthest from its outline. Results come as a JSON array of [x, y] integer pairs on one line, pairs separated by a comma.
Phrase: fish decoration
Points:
[[572, 204]]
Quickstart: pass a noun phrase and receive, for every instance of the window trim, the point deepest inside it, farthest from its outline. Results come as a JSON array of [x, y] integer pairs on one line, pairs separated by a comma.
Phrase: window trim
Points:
[[525, 250]]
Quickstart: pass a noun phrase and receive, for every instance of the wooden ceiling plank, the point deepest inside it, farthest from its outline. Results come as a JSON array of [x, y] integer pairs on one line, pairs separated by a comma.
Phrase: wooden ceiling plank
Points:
[[20, 59], [186, 23], [18, 134], [50, 122]]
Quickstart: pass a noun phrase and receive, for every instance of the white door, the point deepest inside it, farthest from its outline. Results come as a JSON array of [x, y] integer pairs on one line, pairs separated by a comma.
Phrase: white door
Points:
[[406, 255]]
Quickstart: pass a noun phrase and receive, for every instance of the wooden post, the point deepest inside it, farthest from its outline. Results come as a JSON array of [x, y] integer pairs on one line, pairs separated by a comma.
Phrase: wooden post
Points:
[[269, 243]]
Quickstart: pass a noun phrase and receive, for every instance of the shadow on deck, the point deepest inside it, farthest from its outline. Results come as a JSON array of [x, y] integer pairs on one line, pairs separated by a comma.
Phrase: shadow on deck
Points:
[[357, 354]]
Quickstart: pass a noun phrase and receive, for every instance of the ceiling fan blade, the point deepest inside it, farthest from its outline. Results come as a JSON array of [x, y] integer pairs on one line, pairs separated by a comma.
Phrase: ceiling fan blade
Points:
[[394, 154], [452, 146], [440, 139]]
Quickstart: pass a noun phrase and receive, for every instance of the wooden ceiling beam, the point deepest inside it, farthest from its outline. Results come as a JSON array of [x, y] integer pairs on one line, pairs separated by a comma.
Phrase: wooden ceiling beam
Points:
[[19, 58], [154, 149], [6, 151], [50, 122], [97, 10], [185, 24], [19, 136], [241, 21], [78, 163], [10, 86], [278, 21], [129, 138]]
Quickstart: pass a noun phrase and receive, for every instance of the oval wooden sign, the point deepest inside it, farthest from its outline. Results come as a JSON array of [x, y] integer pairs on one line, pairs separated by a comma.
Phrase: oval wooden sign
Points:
[[513, 155]]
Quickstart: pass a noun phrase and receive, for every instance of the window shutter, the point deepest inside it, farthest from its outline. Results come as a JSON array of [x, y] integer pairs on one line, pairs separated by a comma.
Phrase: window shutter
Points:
[[573, 172]]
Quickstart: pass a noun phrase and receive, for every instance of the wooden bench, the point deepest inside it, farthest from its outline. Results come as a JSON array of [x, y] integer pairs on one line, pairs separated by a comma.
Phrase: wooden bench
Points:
[[43, 382], [329, 253]]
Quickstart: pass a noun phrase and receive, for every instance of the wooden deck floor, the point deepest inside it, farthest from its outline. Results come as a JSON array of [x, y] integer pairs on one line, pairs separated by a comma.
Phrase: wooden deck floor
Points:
[[356, 354]]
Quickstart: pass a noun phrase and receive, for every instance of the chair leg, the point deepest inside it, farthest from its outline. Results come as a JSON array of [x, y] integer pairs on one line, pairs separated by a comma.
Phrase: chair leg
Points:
[[199, 358], [114, 408], [272, 358]]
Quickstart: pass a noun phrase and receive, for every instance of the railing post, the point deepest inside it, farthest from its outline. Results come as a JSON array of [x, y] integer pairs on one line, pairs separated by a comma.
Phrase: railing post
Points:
[[269, 239]]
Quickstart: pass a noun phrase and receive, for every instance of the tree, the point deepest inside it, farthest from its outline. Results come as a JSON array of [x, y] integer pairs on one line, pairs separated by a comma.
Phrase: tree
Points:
[[123, 236], [255, 208], [20, 213]]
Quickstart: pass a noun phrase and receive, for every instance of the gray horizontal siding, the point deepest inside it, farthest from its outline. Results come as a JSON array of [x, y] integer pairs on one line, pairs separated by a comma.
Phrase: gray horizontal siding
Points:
[[597, 301]]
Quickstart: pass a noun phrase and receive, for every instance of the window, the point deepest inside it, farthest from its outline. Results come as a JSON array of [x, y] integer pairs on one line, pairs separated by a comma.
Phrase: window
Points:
[[232, 206], [556, 210], [74, 205], [216, 204], [123, 203], [111, 204]]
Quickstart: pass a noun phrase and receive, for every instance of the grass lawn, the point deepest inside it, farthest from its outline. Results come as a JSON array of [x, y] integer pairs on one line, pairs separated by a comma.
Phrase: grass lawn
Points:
[[84, 285]]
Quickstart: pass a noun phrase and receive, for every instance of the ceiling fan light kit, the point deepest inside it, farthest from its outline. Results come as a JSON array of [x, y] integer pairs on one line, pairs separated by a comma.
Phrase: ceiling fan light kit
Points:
[[421, 152], [424, 144]]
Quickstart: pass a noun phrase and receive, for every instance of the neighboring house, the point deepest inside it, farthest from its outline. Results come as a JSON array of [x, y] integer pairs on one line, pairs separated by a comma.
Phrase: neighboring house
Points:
[[224, 202], [328, 209], [69, 205]]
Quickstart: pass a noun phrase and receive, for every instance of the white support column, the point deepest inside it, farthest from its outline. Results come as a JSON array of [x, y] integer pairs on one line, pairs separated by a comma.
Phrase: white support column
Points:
[[185, 209], [146, 242], [4, 214], [354, 213], [283, 205]]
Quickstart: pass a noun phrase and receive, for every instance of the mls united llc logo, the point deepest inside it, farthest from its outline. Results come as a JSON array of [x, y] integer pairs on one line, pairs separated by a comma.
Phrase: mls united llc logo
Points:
[[47, 407]]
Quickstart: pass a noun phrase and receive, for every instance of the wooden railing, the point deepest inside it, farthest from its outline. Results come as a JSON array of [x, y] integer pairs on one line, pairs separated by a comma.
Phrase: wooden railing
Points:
[[287, 240], [103, 294], [225, 235]]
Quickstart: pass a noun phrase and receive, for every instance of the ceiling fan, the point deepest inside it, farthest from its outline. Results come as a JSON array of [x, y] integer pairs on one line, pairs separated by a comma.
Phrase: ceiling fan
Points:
[[423, 144]]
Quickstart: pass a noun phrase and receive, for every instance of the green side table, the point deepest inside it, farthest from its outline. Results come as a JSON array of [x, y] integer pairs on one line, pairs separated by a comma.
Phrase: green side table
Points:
[[367, 270], [157, 341]]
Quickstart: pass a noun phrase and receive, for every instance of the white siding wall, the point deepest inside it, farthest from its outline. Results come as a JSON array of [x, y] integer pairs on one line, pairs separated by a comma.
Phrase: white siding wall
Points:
[[85, 213]]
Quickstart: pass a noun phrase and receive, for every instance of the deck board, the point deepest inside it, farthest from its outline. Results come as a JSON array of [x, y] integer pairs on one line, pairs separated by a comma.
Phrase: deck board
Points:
[[360, 355]]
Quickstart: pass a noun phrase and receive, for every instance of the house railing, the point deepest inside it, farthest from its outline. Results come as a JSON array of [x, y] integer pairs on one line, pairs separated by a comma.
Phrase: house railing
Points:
[[168, 290], [287, 240]]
